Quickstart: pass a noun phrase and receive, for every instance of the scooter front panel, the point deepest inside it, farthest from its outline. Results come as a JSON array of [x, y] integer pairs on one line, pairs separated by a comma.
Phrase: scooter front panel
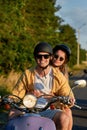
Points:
[[31, 123]]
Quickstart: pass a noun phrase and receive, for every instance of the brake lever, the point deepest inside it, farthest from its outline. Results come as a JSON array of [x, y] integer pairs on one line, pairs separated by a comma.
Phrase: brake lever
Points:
[[77, 106]]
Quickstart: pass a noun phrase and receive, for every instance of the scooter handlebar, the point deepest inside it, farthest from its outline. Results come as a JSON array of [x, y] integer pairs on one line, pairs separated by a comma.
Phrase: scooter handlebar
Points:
[[16, 102]]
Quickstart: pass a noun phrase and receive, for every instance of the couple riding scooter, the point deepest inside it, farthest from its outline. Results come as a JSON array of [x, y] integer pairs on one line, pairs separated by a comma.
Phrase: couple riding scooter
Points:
[[45, 79]]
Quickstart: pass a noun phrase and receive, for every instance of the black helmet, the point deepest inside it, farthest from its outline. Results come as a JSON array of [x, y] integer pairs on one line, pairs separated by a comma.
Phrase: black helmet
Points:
[[43, 47], [64, 48]]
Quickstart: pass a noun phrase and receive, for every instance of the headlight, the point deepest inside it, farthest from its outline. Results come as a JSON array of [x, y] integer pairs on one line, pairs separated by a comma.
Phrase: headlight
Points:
[[29, 101]]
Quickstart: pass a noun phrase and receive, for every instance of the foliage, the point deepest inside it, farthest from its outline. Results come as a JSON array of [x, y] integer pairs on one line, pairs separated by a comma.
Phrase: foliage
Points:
[[67, 36], [82, 55], [23, 23]]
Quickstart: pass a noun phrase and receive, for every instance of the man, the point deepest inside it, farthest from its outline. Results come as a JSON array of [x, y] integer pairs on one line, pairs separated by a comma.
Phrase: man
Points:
[[41, 79]]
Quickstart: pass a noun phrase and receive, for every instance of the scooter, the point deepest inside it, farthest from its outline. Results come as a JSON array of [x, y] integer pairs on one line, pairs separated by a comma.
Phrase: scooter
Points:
[[30, 119]]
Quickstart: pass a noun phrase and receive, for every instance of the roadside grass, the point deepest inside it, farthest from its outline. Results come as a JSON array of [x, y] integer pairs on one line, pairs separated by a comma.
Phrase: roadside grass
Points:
[[6, 85], [8, 82]]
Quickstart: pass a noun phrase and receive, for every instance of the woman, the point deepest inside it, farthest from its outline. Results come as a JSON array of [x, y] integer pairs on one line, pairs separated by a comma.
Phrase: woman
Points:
[[61, 56]]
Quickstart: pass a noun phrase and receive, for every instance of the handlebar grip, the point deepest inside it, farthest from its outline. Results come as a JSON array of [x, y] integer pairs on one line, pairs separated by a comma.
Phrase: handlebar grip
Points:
[[77, 106]]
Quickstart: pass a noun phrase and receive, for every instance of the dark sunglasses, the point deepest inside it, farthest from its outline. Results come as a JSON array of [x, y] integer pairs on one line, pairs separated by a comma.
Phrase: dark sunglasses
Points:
[[40, 56], [58, 57]]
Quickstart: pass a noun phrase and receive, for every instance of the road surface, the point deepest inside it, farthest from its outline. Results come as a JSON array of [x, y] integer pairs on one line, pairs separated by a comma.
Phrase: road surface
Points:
[[80, 116]]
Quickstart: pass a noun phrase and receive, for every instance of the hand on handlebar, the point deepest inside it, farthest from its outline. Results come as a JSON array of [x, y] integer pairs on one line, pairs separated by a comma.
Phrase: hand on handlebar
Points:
[[72, 101], [14, 113], [67, 102]]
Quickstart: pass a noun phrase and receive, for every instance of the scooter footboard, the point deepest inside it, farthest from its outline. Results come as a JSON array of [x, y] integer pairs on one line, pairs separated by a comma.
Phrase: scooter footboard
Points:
[[30, 123]]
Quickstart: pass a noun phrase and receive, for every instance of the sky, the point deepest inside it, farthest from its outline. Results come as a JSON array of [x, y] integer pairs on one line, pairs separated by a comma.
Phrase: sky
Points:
[[74, 12]]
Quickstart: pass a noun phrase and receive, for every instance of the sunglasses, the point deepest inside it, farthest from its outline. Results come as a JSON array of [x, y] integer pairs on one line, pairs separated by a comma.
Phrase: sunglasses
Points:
[[38, 56], [58, 57]]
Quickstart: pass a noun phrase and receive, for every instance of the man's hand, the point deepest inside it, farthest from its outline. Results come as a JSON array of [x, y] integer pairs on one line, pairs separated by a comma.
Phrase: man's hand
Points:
[[14, 113], [72, 101], [37, 93]]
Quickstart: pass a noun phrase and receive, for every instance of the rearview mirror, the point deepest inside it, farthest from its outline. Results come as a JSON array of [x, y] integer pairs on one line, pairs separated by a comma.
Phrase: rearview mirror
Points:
[[80, 83]]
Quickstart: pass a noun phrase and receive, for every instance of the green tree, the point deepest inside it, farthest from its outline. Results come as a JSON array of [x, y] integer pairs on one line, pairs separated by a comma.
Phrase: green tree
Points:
[[67, 36], [23, 23], [21, 27]]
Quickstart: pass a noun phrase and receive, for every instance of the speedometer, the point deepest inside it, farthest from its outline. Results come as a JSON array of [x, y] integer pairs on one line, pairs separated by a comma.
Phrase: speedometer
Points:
[[29, 101]]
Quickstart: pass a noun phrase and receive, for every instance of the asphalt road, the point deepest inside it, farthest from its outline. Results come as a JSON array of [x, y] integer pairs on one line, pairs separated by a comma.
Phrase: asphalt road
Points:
[[80, 115]]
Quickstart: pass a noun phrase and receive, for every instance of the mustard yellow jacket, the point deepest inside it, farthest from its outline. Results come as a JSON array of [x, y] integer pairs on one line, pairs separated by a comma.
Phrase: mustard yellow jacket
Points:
[[25, 84]]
